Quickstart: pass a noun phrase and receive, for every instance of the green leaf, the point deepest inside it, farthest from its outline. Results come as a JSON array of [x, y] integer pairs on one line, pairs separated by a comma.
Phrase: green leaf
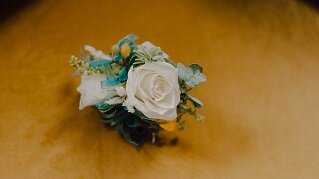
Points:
[[196, 67], [192, 75], [195, 101]]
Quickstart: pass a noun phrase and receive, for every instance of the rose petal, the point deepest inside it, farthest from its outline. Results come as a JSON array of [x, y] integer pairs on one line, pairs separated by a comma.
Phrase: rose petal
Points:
[[154, 90]]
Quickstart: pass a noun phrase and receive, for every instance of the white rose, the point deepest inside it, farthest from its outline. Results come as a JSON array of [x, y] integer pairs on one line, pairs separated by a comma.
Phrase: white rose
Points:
[[153, 89], [91, 91]]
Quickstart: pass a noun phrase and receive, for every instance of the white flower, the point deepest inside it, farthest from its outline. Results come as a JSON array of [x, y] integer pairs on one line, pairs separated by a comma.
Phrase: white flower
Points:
[[114, 100], [97, 53], [129, 106], [91, 91], [154, 90], [120, 90]]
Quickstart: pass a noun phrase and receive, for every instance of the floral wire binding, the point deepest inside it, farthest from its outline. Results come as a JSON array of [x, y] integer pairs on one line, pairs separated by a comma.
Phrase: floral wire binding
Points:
[[138, 89]]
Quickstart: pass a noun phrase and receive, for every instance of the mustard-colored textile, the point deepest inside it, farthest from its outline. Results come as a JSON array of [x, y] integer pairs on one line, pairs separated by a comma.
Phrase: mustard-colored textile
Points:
[[261, 99]]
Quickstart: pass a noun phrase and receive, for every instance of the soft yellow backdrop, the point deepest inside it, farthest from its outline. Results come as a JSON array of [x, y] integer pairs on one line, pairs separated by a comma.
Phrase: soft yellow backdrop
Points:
[[261, 99]]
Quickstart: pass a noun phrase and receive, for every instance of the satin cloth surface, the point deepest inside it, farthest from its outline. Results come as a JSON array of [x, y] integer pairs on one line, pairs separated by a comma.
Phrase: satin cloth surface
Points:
[[261, 59]]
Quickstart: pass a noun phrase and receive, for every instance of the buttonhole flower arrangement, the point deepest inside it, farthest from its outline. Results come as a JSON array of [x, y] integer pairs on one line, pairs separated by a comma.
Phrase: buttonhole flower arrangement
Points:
[[138, 89]]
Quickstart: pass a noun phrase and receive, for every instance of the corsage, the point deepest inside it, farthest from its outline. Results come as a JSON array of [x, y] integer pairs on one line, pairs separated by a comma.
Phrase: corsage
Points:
[[138, 89]]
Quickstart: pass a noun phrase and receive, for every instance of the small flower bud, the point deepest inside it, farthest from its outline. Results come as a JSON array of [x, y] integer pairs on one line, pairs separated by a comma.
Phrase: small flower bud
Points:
[[125, 50], [115, 49]]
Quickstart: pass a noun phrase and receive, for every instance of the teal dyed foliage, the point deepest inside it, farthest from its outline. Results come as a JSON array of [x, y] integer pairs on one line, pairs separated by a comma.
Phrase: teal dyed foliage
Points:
[[103, 107], [115, 80], [100, 63]]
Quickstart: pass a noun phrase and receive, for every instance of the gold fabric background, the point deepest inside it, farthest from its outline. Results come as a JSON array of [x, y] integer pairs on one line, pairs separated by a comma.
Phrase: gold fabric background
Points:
[[261, 99]]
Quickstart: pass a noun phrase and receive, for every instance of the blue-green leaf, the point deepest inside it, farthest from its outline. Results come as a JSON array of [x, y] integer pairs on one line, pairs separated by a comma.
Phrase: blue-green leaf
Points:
[[195, 101], [192, 75], [100, 63]]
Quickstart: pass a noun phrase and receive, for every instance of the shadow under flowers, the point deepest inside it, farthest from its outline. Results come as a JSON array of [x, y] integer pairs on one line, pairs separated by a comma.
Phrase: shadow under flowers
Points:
[[82, 136], [75, 134], [217, 140]]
